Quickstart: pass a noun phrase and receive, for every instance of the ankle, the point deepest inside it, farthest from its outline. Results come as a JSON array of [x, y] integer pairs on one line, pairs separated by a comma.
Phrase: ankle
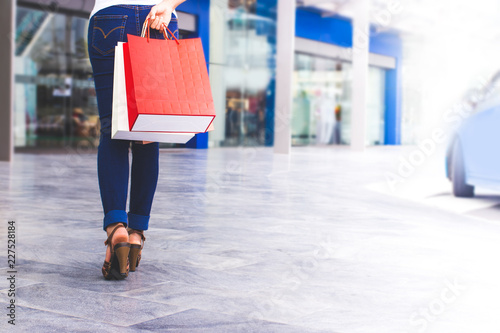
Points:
[[135, 238], [112, 226], [120, 234]]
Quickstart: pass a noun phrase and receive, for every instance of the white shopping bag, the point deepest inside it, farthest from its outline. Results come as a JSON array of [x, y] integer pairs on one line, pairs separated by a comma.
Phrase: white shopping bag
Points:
[[119, 120]]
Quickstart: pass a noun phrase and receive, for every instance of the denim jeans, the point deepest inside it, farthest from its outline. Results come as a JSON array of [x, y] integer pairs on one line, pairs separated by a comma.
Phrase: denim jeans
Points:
[[106, 28]]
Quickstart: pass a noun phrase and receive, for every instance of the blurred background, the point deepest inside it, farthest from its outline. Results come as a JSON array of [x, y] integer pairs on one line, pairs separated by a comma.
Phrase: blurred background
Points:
[[370, 171], [425, 57]]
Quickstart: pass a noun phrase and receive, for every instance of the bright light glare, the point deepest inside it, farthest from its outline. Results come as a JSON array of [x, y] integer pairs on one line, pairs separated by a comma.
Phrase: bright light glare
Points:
[[450, 47]]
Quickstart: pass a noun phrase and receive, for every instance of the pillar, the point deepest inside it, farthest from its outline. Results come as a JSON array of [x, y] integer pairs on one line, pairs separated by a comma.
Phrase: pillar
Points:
[[7, 40], [285, 50], [360, 53]]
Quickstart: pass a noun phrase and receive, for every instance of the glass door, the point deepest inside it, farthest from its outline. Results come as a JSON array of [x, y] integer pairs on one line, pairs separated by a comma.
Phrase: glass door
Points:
[[55, 98], [242, 56], [321, 101], [375, 125]]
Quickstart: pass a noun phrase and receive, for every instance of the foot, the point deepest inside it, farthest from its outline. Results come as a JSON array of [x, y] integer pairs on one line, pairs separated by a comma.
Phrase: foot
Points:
[[121, 235]]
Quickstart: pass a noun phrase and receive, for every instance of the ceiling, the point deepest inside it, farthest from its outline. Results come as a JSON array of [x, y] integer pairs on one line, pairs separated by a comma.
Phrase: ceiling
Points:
[[421, 17]]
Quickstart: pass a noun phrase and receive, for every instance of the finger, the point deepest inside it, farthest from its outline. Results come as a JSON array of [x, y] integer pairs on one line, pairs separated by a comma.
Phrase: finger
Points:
[[154, 16], [156, 23], [152, 13]]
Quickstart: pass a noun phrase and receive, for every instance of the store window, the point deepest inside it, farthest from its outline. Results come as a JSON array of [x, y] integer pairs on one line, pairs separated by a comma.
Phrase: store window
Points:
[[375, 124], [322, 93], [242, 56], [55, 101]]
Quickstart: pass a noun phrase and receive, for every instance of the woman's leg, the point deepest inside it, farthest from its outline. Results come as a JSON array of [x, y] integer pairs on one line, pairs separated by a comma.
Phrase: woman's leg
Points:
[[144, 175], [144, 178], [113, 174], [106, 28]]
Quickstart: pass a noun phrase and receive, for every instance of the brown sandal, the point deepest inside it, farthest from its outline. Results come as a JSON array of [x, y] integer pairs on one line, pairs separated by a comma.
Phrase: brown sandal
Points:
[[117, 267], [135, 249]]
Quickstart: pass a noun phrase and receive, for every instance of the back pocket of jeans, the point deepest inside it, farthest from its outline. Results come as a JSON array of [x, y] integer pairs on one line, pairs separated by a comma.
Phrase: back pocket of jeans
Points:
[[108, 30]]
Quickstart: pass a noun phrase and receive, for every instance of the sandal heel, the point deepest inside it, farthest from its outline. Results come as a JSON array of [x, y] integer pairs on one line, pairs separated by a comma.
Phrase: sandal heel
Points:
[[122, 251], [135, 249], [117, 267]]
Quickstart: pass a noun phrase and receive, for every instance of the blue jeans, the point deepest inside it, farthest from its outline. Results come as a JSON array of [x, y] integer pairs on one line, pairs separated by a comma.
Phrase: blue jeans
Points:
[[106, 28]]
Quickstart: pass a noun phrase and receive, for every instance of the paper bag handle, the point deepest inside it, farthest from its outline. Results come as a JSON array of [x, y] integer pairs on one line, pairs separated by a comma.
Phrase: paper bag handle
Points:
[[146, 31]]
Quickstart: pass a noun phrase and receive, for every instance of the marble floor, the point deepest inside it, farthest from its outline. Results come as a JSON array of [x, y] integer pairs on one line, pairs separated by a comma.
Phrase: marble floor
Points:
[[242, 240]]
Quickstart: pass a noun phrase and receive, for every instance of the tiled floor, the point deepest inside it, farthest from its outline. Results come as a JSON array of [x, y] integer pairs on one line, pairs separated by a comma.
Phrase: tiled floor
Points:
[[242, 240]]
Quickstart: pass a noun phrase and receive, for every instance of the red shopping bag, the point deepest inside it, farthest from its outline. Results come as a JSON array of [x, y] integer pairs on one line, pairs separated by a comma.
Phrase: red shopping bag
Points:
[[168, 89], [120, 128]]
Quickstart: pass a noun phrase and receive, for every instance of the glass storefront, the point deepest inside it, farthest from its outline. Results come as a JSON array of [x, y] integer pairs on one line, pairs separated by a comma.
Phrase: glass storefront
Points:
[[322, 102], [242, 70], [55, 101], [375, 108], [55, 104]]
